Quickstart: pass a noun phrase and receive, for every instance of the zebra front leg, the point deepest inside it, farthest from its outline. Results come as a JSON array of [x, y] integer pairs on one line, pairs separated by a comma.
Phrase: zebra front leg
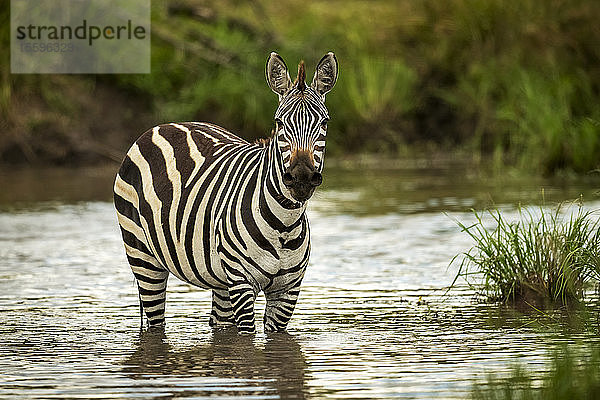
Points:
[[242, 296], [279, 310], [222, 311]]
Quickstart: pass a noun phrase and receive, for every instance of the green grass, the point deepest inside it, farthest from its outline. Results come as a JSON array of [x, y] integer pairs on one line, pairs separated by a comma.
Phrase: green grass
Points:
[[570, 377], [517, 82], [545, 257]]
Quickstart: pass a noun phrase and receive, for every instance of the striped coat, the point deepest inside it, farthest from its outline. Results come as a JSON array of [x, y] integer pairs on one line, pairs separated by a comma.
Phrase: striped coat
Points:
[[196, 201]]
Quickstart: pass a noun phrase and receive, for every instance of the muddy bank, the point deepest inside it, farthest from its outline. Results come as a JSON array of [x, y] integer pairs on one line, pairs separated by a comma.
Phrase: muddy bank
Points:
[[67, 120]]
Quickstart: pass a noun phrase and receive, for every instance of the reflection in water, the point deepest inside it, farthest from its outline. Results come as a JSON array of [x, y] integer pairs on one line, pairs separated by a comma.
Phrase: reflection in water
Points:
[[370, 323], [275, 368], [412, 187]]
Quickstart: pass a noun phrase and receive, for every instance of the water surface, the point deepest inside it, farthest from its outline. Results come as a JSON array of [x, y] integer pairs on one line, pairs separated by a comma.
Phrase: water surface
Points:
[[371, 322]]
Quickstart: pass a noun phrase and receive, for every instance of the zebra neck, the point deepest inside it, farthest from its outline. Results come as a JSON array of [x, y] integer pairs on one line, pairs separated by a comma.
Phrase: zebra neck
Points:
[[274, 194]]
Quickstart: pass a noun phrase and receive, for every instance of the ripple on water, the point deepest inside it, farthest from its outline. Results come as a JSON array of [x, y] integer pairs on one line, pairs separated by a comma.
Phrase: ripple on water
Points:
[[371, 321]]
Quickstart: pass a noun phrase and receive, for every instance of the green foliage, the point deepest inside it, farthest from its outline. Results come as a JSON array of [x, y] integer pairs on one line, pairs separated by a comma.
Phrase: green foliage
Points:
[[375, 95], [222, 79], [521, 78], [542, 258], [530, 117], [570, 377], [204, 69], [515, 80]]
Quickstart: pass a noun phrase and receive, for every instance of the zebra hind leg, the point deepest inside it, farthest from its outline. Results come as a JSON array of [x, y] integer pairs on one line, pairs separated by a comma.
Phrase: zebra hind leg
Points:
[[222, 311], [150, 275], [141, 308], [152, 288]]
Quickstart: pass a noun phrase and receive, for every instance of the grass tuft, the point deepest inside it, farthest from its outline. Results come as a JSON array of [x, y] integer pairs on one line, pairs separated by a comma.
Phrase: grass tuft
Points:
[[568, 378], [544, 258]]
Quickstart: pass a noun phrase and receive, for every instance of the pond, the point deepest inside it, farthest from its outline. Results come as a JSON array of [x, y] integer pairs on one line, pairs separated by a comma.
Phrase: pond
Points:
[[373, 319]]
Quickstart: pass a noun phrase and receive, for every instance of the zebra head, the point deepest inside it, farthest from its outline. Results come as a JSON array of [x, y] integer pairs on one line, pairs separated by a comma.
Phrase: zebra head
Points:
[[301, 122]]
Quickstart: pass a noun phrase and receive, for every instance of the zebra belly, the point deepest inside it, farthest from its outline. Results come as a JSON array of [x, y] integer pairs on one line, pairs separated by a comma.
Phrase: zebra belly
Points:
[[202, 275], [263, 270], [191, 258]]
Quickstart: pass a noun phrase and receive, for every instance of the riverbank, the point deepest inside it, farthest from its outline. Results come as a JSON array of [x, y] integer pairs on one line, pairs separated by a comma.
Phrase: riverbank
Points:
[[517, 83]]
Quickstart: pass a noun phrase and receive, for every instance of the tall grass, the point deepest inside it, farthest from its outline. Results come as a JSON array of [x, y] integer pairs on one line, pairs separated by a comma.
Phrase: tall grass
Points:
[[516, 81], [545, 257], [376, 95], [569, 377], [531, 118]]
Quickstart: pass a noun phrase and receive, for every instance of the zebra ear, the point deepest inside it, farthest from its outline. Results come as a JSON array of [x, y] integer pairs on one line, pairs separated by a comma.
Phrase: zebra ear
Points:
[[326, 74], [278, 76]]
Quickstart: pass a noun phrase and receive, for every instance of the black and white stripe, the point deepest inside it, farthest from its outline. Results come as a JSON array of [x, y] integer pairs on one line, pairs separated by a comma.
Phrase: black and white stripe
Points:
[[195, 200]]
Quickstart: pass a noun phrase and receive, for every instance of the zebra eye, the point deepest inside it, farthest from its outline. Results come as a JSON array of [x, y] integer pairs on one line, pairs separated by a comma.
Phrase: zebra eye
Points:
[[324, 124], [278, 124]]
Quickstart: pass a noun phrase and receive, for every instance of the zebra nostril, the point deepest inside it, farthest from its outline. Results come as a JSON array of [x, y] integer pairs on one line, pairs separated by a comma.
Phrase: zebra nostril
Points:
[[288, 179], [316, 179]]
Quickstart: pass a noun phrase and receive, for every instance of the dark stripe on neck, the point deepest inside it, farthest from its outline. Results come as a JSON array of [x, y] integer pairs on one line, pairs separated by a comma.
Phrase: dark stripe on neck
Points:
[[273, 182], [248, 217]]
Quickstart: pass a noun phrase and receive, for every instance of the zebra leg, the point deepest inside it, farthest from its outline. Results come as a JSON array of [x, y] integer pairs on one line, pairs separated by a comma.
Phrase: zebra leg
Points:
[[150, 275], [222, 311], [152, 287], [279, 310], [242, 297]]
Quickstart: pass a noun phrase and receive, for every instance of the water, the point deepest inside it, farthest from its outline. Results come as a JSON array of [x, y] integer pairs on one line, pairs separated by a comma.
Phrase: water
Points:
[[371, 322]]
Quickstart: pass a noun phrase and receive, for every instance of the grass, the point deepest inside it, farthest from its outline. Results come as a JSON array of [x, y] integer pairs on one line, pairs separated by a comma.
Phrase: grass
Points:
[[518, 80], [545, 257], [568, 378]]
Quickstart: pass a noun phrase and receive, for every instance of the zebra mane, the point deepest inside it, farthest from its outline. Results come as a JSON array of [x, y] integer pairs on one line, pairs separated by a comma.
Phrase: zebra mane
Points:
[[264, 142], [301, 79]]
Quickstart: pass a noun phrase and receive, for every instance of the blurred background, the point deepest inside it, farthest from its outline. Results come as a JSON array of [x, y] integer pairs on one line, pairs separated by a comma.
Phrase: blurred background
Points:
[[441, 106], [507, 83]]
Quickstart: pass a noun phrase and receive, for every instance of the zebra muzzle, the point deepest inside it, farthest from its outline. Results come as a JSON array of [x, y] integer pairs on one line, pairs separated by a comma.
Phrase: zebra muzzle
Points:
[[301, 178], [315, 179]]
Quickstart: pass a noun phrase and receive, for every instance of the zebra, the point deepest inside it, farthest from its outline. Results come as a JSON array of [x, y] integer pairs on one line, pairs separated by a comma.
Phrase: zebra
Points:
[[221, 213]]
